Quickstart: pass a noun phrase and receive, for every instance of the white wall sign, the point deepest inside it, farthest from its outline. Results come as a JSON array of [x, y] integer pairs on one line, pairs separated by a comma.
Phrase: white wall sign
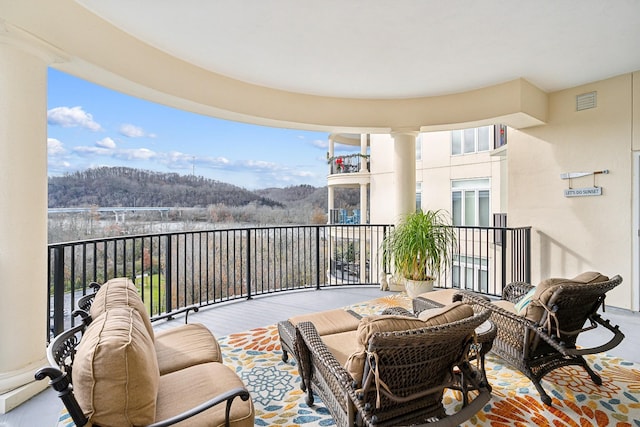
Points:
[[581, 192]]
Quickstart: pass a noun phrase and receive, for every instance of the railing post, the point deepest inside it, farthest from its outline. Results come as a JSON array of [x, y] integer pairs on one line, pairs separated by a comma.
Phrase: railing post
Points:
[[527, 248], [58, 290], [168, 275], [248, 271], [503, 264], [318, 257]]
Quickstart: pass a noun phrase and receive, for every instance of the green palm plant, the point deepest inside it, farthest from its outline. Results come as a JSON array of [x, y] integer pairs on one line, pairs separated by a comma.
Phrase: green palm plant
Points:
[[420, 246]]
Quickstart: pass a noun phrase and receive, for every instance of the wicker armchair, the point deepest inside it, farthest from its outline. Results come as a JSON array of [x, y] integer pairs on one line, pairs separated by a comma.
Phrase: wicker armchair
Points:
[[538, 347], [404, 375]]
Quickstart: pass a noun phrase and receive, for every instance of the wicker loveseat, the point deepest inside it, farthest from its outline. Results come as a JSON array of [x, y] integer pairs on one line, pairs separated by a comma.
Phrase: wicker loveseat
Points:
[[393, 369], [124, 374], [538, 326]]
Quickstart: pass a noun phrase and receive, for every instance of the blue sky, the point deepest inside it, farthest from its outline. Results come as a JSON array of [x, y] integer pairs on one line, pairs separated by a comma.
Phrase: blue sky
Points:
[[91, 126]]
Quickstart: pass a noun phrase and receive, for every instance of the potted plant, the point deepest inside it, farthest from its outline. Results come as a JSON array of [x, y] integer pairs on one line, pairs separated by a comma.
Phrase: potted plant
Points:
[[419, 248]]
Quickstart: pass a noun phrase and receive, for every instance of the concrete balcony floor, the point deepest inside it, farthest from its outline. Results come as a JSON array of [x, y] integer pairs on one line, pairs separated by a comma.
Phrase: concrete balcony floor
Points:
[[238, 316]]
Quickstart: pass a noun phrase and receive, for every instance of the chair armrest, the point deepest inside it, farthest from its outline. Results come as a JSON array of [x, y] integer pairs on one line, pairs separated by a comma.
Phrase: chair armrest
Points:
[[85, 317], [616, 339], [61, 382], [312, 344], [226, 397], [516, 290], [171, 315]]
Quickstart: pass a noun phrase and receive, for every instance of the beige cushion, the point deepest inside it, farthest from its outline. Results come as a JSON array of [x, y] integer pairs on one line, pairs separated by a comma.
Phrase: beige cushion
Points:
[[115, 372], [342, 345], [391, 323], [507, 305], [189, 387], [120, 292], [329, 321], [590, 277], [447, 314], [441, 296], [545, 290], [186, 345]]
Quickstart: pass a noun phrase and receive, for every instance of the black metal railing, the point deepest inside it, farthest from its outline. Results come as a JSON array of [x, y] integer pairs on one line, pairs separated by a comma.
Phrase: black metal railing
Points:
[[201, 268], [486, 259]]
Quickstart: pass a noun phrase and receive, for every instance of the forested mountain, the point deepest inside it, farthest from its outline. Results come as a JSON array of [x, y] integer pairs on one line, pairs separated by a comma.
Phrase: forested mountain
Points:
[[121, 186], [196, 202]]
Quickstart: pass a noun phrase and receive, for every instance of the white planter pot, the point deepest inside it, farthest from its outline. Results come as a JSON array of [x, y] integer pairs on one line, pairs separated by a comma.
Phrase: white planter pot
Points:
[[417, 287], [394, 284]]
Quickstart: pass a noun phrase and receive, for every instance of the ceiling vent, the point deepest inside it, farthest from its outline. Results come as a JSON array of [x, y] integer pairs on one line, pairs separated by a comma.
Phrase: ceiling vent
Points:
[[586, 101]]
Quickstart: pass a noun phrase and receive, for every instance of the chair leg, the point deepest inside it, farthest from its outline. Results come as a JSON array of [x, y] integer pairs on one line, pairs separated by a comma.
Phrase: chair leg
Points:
[[285, 355], [543, 394], [595, 377], [309, 398]]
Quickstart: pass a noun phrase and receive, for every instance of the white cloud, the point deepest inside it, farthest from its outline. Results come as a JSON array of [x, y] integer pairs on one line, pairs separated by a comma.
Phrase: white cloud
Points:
[[54, 147], [261, 165], [132, 131], [136, 154], [320, 143], [106, 143], [303, 174], [72, 117], [97, 151]]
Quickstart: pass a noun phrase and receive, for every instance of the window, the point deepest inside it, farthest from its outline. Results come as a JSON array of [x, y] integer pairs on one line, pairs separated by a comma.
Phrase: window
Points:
[[419, 148], [472, 140], [418, 196], [470, 273], [470, 202]]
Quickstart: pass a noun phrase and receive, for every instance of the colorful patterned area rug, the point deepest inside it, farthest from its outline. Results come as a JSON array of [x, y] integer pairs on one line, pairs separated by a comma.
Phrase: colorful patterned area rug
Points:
[[577, 401]]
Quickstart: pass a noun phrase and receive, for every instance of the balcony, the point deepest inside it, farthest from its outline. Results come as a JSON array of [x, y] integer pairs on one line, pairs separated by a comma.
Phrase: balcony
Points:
[[350, 163], [252, 277]]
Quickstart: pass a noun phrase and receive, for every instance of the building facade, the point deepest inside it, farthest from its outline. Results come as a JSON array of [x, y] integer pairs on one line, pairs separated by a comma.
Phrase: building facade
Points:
[[575, 180]]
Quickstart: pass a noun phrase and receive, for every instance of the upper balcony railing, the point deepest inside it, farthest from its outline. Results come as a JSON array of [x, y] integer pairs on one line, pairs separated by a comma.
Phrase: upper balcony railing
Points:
[[202, 268], [349, 163], [342, 216]]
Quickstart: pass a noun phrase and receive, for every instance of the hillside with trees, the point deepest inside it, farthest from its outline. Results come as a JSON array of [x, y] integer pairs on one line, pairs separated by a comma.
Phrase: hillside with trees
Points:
[[195, 203], [121, 186]]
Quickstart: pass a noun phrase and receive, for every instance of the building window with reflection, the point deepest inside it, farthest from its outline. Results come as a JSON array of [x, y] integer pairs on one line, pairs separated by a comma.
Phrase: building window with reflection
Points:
[[472, 140], [470, 202]]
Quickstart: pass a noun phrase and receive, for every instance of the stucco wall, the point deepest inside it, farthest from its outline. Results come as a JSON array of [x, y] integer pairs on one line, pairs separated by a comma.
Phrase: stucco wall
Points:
[[574, 234]]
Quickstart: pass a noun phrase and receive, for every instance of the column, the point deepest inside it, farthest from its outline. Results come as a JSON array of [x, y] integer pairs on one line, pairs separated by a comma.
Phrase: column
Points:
[[330, 154], [363, 150], [23, 220], [404, 167]]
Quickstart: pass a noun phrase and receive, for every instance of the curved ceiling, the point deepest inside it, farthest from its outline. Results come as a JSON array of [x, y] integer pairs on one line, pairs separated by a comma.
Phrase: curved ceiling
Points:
[[340, 65], [389, 49]]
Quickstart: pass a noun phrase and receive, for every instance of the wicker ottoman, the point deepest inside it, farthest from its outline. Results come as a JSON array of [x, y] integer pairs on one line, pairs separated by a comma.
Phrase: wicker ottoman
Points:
[[326, 323]]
